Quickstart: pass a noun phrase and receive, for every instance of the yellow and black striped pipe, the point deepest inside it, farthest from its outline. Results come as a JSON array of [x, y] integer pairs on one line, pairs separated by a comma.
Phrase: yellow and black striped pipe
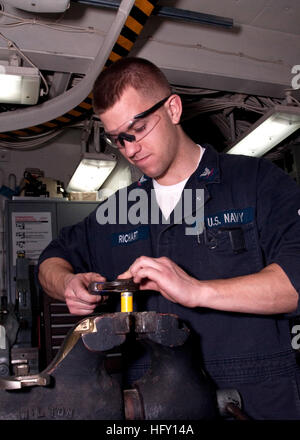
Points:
[[133, 26]]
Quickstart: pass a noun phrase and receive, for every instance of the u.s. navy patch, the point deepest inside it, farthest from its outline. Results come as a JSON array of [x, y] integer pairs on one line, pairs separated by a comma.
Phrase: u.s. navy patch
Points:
[[230, 218], [128, 237]]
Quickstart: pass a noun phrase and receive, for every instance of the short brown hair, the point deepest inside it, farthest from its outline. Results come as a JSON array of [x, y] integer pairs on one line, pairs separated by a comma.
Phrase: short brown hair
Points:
[[138, 73]]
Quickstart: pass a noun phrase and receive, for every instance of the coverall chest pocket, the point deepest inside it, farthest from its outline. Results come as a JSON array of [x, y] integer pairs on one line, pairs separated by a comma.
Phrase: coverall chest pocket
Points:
[[232, 251]]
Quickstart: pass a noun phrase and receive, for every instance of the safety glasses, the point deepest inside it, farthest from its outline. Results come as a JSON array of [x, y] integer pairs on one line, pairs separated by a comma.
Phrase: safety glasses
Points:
[[136, 128]]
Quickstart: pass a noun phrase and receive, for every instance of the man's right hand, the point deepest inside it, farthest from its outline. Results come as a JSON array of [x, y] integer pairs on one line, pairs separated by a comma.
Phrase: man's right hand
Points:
[[77, 297], [58, 280]]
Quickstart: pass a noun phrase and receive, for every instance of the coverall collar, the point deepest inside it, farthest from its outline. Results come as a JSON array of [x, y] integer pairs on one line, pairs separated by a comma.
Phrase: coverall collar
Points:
[[207, 172]]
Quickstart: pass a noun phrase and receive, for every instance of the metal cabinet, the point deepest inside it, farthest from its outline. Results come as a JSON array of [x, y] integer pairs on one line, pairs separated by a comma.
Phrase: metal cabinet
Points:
[[30, 224]]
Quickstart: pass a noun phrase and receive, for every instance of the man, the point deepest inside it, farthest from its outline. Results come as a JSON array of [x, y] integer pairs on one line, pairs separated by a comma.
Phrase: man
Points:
[[235, 282]]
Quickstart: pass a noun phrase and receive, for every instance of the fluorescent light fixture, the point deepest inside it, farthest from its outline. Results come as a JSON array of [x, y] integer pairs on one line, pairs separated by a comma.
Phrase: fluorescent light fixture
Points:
[[268, 131], [19, 85], [92, 171], [40, 5]]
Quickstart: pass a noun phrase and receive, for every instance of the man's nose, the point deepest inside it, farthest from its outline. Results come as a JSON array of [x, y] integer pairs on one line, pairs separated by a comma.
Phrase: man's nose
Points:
[[131, 148]]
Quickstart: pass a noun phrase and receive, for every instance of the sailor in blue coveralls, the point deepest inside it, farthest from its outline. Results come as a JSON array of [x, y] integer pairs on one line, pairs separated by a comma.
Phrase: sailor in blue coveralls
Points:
[[235, 282]]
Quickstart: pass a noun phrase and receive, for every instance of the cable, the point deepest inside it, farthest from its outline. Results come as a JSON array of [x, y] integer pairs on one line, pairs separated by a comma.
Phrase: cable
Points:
[[220, 108], [12, 44], [56, 26], [210, 49], [181, 90], [204, 104], [37, 141], [32, 143]]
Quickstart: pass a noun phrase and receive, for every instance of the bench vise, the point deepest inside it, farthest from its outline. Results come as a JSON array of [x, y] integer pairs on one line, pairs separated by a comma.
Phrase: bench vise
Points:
[[77, 386]]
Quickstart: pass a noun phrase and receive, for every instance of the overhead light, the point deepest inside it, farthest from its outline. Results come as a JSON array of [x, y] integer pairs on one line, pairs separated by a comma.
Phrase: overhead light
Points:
[[92, 171], [19, 85], [268, 131], [41, 5]]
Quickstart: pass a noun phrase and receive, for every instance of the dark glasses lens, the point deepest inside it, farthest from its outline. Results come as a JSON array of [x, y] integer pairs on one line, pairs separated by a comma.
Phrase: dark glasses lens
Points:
[[118, 140]]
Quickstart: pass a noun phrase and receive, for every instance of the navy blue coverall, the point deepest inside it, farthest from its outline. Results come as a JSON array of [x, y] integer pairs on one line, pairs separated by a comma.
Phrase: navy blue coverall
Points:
[[252, 219]]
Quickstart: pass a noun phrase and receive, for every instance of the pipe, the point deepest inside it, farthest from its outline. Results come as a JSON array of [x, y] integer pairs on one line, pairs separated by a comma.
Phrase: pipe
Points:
[[169, 12], [193, 16], [61, 104]]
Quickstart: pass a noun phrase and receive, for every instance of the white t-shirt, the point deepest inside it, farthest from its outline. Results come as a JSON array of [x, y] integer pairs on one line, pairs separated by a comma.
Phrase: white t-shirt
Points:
[[167, 196]]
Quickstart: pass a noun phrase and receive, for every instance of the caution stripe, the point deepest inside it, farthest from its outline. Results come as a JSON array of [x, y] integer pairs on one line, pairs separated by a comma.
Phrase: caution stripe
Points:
[[145, 6], [138, 16], [125, 43], [50, 124], [35, 130], [129, 34], [134, 25], [21, 133], [74, 113]]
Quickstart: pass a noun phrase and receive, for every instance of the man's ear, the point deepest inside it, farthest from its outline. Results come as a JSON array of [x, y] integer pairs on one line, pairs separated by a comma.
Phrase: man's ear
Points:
[[174, 108]]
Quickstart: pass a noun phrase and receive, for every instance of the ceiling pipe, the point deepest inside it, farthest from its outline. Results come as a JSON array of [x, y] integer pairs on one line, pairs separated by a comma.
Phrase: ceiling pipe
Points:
[[169, 12], [61, 104]]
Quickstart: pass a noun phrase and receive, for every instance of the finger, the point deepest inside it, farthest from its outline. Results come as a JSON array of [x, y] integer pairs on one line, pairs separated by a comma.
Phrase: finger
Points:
[[79, 304], [91, 277], [125, 275], [79, 308], [81, 295], [82, 307], [96, 276], [139, 263], [147, 284], [80, 311], [149, 273], [146, 262], [152, 279]]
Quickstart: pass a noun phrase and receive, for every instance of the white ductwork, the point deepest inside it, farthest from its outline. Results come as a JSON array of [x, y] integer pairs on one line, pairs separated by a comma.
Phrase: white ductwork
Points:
[[49, 6], [18, 119]]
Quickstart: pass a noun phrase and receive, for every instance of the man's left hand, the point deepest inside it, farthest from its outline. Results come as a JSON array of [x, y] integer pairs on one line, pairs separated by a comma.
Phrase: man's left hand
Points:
[[165, 276]]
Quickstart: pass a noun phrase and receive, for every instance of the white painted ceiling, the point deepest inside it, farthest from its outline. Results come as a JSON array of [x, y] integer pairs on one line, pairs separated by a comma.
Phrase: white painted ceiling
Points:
[[256, 57], [276, 15], [264, 30]]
